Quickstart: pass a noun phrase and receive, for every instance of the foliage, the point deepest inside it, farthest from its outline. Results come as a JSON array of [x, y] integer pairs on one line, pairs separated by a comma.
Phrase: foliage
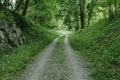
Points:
[[85, 11], [44, 13], [100, 44], [13, 62], [74, 13], [7, 13]]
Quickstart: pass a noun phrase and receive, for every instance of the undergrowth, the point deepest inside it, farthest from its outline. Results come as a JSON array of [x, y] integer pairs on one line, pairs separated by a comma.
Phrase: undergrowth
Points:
[[100, 44], [13, 62]]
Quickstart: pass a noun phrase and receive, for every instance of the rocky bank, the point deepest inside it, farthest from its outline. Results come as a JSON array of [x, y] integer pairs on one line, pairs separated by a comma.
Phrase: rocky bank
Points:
[[10, 35]]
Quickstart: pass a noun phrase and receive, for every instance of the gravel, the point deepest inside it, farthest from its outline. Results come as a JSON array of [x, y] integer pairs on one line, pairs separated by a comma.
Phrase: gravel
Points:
[[57, 63]]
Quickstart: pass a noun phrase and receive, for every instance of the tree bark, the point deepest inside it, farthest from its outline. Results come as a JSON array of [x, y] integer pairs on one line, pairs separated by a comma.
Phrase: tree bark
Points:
[[90, 12], [115, 4], [77, 23], [82, 13], [25, 8], [1, 5], [110, 11]]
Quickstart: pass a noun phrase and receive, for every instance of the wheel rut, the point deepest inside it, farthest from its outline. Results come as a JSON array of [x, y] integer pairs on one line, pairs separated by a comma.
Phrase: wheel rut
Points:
[[36, 68], [54, 70], [76, 67], [57, 62]]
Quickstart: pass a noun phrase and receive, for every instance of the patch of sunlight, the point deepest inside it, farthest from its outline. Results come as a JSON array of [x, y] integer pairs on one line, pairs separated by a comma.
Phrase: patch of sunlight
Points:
[[63, 32]]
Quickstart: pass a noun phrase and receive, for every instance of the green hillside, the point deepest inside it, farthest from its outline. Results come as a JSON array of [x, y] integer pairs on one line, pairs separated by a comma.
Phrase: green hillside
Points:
[[100, 43]]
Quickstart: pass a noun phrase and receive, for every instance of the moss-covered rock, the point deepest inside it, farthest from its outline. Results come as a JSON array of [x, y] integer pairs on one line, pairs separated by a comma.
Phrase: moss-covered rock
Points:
[[10, 34]]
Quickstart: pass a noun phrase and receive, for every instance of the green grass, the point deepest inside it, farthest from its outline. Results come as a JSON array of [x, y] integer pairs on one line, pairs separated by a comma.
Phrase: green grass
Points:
[[58, 54], [100, 44], [13, 62]]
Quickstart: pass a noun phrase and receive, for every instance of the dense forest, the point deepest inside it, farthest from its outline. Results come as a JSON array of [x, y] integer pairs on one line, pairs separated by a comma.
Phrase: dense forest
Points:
[[77, 13], [92, 27]]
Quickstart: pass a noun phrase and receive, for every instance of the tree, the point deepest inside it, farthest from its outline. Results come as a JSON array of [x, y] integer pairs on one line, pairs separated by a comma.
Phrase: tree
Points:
[[115, 5], [18, 4], [77, 21], [82, 13], [1, 6], [25, 8], [90, 7]]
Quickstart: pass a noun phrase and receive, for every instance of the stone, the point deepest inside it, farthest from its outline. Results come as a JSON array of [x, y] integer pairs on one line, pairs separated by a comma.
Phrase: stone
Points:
[[16, 40], [14, 28], [18, 32], [1, 48], [23, 37], [21, 41], [1, 37], [2, 25], [10, 35]]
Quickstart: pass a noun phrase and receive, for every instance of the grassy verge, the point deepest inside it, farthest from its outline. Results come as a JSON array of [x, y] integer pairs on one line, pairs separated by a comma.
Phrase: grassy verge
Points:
[[100, 44], [58, 56], [13, 62]]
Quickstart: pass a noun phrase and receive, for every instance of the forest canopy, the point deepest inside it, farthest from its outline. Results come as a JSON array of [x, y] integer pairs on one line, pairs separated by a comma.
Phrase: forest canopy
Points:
[[71, 13]]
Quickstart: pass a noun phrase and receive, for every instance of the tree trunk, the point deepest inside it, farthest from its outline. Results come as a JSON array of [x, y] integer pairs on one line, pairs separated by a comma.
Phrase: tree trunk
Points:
[[90, 12], [77, 23], [1, 6], [82, 13], [18, 5], [110, 11], [25, 8], [115, 4], [89, 16]]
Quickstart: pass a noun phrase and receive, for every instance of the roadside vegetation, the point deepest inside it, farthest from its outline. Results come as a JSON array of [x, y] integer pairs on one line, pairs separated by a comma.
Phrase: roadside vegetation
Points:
[[14, 61], [27, 26], [100, 44]]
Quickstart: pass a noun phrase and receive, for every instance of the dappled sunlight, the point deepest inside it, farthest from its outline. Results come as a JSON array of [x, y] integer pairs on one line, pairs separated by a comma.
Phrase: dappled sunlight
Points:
[[63, 32]]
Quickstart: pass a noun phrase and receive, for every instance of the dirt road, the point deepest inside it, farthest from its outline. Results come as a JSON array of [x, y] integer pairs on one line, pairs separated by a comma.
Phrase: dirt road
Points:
[[57, 62]]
